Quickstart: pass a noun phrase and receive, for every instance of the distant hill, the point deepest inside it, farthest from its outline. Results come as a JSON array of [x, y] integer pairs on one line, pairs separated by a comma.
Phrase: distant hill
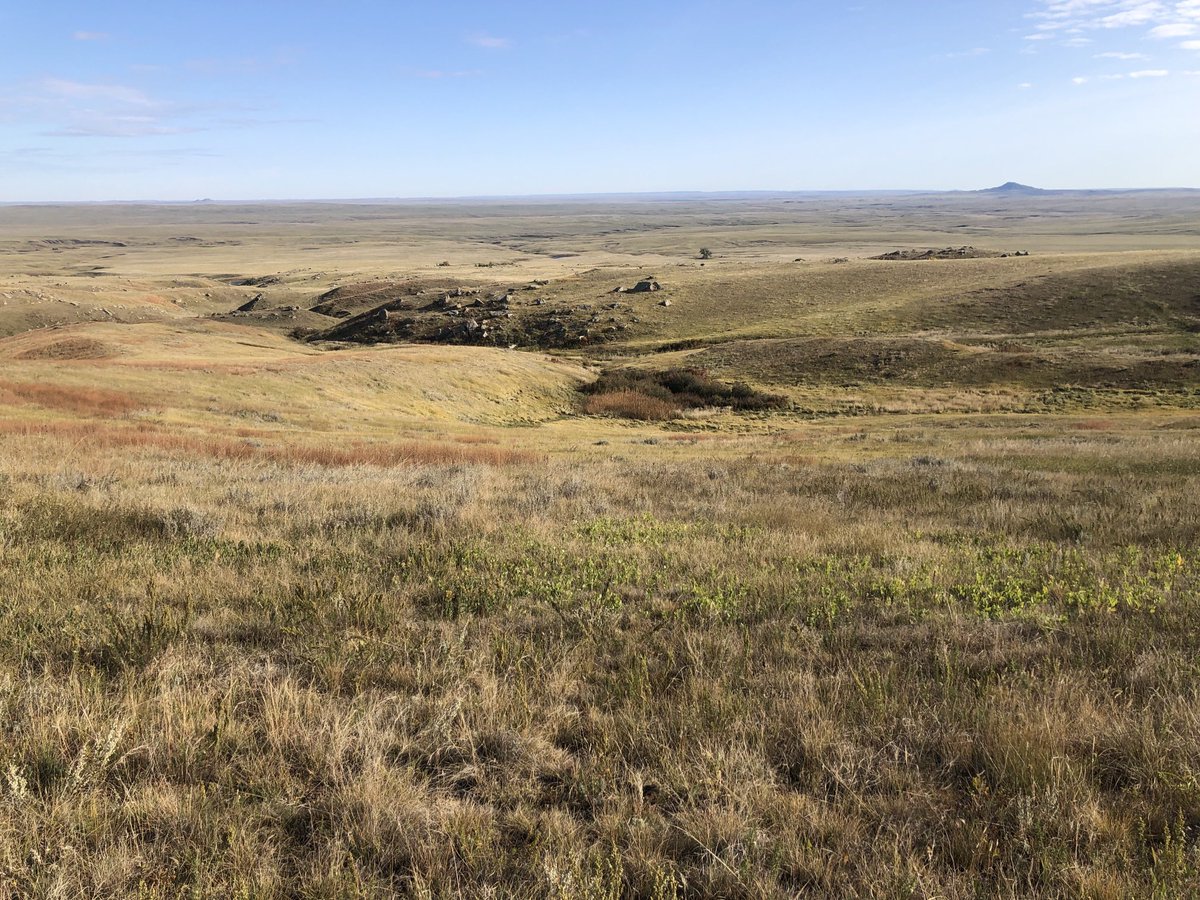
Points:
[[1013, 187]]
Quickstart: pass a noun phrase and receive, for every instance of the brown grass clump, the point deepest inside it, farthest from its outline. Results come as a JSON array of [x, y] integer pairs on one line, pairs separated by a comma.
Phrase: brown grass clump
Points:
[[630, 405], [476, 439]]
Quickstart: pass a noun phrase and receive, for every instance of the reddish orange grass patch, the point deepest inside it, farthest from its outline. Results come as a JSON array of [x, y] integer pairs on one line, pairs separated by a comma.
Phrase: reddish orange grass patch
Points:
[[84, 401], [356, 454], [629, 405]]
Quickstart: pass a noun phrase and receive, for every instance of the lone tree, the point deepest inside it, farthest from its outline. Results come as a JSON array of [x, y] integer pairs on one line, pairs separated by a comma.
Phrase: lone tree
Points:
[[705, 253]]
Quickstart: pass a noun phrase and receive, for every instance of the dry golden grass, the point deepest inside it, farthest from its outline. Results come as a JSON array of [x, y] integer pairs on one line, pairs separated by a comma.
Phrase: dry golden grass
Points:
[[896, 665], [278, 622], [355, 453]]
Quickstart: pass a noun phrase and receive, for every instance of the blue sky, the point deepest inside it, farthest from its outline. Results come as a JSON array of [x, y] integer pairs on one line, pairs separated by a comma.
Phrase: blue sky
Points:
[[262, 99]]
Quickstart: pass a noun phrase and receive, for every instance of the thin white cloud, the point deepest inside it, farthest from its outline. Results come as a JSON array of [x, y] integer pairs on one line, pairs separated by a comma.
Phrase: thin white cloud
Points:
[[63, 107], [1074, 17], [490, 41], [1139, 14], [1025, 85], [1174, 30], [1070, 23], [115, 94], [100, 160], [120, 127]]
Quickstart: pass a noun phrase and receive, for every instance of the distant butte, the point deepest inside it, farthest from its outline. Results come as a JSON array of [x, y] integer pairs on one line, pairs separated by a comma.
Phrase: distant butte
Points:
[[1013, 187]]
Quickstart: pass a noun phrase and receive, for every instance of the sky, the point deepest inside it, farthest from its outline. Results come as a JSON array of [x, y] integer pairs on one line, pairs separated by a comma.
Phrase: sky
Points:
[[258, 99]]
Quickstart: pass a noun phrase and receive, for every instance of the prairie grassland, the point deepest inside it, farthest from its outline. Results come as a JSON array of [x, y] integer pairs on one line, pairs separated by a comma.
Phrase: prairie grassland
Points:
[[826, 663], [280, 620]]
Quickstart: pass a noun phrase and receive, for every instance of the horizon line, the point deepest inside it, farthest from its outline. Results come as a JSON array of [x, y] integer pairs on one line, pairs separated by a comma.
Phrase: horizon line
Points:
[[585, 195]]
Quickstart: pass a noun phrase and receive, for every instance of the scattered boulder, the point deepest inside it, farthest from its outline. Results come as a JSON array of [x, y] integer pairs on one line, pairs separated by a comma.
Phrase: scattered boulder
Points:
[[944, 253], [493, 315], [645, 286]]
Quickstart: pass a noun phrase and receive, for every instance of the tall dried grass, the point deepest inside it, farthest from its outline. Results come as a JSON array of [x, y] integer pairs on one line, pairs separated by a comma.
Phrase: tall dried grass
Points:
[[80, 400], [630, 405], [355, 453]]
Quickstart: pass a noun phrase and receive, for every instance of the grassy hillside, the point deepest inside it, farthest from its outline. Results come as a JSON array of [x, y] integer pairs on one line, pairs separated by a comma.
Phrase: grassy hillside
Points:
[[893, 593], [833, 660], [218, 377]]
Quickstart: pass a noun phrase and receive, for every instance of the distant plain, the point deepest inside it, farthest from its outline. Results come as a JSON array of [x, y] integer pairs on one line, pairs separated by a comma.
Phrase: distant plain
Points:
[[332, 566]]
